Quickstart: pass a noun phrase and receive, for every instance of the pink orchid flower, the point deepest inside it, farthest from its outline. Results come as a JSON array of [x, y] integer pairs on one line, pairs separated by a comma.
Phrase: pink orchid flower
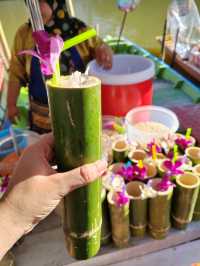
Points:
[[173, 168], [126, 171], [183, 143], [165, 184], [121, 198], [139, 173], [49, 50], [150, 146]]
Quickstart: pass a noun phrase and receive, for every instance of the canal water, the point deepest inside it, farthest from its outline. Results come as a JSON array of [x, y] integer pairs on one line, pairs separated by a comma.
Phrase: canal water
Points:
[[143, 25]]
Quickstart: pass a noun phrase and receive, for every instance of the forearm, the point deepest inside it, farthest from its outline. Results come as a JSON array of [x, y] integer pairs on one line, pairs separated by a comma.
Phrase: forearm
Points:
[[13, 93], [10, 229]]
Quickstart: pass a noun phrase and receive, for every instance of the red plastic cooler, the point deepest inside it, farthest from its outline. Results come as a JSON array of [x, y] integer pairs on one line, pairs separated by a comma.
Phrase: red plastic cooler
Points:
[[127, 85]]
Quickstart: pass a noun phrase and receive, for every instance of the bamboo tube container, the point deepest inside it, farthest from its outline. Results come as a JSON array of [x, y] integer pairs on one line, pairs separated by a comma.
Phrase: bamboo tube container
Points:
[[191, 139], [151, 169], [119, 222], [184, 199], [138, 209], [196, 216], [137, 155], [196, 170], [120, 150], [159, 211], [106, 235], [76, 121], [194, 154]]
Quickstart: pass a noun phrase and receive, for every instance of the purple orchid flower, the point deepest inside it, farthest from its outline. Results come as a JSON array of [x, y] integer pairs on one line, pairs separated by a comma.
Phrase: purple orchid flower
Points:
[[139, 173], [4, 185], [126, 171], [183, 143], [165, 184], [121, 198], [150, 146], [173, 168], [49, 50]]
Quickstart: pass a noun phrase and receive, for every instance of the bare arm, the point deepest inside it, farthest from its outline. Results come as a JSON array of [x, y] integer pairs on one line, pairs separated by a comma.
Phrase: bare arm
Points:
[[17, 71], [13, 93]]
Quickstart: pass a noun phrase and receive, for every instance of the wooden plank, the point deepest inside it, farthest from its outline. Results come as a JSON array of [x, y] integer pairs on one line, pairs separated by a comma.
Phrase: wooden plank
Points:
[[110, 255]]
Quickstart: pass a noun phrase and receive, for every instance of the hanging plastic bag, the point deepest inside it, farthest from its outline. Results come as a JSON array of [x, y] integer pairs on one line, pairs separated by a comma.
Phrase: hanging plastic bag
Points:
[[183, 17]]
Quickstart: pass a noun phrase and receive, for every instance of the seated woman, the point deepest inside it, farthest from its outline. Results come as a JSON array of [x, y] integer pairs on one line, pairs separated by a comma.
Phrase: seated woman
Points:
[[25, 70]]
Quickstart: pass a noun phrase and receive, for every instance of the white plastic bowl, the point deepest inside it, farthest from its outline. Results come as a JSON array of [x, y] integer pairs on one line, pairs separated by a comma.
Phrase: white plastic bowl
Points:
[[150, 113]]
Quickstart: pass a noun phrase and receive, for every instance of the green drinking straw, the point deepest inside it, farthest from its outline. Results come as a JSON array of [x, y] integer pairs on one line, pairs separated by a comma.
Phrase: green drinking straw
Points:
[[79, 38], [188, 133], [175, 153], [70, 43], [56, 74]]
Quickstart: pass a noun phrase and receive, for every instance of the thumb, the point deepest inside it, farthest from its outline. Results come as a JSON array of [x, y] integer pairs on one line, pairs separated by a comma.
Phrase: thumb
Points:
[[79, 177]]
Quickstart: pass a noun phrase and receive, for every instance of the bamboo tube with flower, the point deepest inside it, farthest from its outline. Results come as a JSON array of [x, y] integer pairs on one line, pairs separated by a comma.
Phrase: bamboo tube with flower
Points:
[[120, 150], [138, 208], [106, 227], [186, 141], [160, 207], [119, 214], [77, 131], [184, 199]]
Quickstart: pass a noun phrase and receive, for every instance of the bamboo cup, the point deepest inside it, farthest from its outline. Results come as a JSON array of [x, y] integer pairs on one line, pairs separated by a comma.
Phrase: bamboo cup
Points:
[[106, 235], [194, 154], [76, 121], [138, 209], [120, 150], [119, 222], [151, 169], [137, 155], [196, 215], [184, 199], [159, 210]]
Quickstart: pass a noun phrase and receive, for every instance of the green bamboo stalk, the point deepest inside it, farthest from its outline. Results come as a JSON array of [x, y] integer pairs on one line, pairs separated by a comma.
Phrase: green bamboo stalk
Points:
[[138, 209], [106, 235], [76, 123], [159, 211], [184, 199], [119, 222], [120, 151]]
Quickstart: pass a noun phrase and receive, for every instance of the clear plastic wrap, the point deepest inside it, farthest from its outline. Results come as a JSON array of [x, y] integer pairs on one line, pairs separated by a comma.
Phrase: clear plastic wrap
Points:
[[183, 17]]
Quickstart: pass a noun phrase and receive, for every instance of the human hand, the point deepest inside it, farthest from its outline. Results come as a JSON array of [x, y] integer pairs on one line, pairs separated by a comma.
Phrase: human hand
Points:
[[36, 189], [12, 112], [104, 56]]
